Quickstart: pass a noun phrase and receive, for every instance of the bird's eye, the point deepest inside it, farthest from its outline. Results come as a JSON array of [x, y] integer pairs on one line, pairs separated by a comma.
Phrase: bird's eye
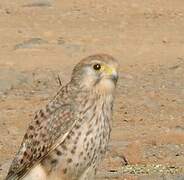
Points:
[[97, 67]]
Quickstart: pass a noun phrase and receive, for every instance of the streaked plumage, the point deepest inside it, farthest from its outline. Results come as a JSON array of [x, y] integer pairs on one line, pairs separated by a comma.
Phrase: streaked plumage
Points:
[[68, 138]]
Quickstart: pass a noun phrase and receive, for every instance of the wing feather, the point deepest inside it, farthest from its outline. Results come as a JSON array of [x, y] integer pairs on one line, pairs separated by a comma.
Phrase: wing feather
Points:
[[48, 129]]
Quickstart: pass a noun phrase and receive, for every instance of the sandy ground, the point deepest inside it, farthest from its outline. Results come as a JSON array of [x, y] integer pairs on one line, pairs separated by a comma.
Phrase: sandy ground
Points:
[[41, 39]]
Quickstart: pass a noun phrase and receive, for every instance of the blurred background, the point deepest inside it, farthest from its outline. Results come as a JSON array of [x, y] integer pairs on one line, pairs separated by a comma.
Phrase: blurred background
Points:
[[41, 40]]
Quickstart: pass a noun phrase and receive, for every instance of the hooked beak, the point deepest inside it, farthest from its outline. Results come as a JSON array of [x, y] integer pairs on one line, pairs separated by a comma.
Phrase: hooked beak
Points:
[[112, 73], [114, 77]]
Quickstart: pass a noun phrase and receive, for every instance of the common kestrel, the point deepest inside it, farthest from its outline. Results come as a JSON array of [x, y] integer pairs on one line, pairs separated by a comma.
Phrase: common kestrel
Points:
[[68, 138]]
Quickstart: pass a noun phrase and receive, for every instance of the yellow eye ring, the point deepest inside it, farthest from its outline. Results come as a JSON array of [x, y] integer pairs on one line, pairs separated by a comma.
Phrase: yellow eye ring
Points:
[[97, 67]]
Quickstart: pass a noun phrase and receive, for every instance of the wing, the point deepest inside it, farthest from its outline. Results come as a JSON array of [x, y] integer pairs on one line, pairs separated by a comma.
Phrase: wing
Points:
[[48, 129]]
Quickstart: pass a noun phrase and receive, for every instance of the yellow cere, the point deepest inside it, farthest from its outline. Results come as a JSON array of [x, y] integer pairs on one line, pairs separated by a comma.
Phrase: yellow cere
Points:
[[109, 70]]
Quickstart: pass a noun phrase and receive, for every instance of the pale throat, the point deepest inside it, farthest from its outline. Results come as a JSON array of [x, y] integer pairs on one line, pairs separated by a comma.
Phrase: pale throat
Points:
[[105, 87]]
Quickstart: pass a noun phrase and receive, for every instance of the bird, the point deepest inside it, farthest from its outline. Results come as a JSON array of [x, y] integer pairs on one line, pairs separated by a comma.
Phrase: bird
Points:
[[67, 139]]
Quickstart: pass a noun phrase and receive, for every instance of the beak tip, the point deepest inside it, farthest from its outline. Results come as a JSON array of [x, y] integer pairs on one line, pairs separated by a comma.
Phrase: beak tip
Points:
[[115, 77]]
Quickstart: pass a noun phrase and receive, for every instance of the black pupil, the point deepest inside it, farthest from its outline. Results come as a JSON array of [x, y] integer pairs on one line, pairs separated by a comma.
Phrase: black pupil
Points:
[[97, 66]]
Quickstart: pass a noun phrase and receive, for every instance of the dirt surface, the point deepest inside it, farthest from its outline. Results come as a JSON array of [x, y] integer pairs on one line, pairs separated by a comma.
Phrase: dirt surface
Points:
[[41, 39]]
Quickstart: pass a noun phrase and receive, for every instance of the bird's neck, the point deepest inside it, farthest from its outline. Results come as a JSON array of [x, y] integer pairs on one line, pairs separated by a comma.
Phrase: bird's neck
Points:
[[90, 103], [82, 97]]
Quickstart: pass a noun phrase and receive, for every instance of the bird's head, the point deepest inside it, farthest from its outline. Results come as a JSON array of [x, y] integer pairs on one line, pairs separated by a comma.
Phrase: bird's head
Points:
[[96, 72]]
